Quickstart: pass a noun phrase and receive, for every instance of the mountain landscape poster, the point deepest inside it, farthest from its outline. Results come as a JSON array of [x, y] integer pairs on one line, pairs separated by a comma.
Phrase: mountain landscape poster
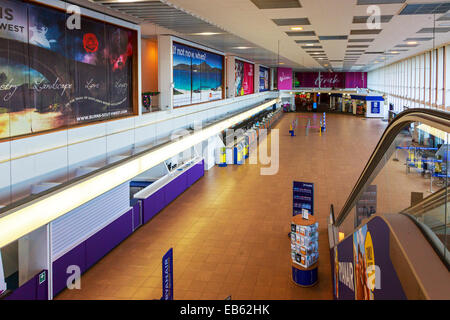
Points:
[[197, 75]]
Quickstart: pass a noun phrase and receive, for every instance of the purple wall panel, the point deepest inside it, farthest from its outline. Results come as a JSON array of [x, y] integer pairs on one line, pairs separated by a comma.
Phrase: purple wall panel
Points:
[[137, 215], [356, 79], [170, 190], [42, 289], [76, 256], [196, 173], [106, 239], [31, 290], [153, 204], [26, 292]]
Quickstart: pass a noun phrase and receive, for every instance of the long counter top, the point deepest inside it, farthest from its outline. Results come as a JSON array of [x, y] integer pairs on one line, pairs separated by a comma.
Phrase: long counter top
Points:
[[163, 181]]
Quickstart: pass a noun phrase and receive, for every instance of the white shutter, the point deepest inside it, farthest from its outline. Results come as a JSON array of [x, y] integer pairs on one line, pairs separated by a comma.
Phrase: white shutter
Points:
[[79, 224]]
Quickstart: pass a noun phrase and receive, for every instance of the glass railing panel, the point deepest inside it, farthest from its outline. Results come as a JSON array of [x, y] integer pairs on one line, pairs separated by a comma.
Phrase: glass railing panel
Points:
[[411, 178]]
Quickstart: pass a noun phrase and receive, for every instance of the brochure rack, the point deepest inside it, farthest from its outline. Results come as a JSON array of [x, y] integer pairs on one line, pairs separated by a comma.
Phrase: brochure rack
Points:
[[304, 250]]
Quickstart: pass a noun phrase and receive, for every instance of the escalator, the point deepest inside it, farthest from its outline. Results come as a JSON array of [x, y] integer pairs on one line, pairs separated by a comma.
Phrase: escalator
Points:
[[391, 237]]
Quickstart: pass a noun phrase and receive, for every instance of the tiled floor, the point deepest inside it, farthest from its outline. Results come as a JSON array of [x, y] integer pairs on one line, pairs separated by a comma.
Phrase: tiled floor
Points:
[[229, 230]]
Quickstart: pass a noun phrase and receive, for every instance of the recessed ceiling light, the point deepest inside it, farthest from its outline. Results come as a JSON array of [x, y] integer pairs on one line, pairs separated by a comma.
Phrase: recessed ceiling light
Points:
[[296, 28], [309, 44], [412, 42], [394, 51], [205, 33]]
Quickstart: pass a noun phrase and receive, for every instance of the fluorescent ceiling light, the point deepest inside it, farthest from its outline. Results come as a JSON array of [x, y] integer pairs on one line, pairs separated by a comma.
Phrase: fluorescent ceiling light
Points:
[[309, 44], [296, 28], [205, 33], [36, 213], [242, 48], [412, 42]]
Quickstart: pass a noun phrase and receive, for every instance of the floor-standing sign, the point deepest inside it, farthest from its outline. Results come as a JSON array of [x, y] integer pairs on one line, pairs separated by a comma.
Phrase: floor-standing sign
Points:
[[167, 275], [303, 198], [2, 276]]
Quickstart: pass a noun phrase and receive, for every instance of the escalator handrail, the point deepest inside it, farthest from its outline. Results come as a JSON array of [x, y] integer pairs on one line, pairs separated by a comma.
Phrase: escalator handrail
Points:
[[433, 200], [435, 118]]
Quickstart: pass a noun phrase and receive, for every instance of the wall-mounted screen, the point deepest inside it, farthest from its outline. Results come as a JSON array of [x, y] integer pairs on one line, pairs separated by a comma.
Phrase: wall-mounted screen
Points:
[[52, 76], [244, 78], [197, 75], [263, 79]]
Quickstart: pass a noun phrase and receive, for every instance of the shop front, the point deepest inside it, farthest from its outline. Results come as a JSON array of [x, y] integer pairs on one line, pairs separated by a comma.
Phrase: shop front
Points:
[[369, 106]]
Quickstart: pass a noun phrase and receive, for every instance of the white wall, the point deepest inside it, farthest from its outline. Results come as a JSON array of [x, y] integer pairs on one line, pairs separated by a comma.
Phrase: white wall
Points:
[[165, 71], [256, 78], [230, 83]]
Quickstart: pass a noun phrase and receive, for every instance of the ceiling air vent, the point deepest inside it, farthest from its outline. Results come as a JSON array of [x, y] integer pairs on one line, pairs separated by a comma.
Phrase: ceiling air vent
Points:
[[436, 30], [300, 33], [360, 40], [292, 22], [307, 41], [418, 39], [364, 19], [333, 37], [365, 31], [276, 4], [368, 2]]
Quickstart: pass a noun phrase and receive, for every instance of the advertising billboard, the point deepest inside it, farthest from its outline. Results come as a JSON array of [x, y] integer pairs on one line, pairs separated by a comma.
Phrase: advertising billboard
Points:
[[330, 79], [197, 75], [263, 79], [362, 267], [244, 78], [52, 76], [284, 79]]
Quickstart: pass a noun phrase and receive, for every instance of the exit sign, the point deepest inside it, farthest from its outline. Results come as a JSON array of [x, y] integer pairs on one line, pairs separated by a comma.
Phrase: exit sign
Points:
[[42, 277]]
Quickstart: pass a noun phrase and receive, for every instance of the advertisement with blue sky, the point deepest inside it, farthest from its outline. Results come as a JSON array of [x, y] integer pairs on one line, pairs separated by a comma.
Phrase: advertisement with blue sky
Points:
[[197, 75]]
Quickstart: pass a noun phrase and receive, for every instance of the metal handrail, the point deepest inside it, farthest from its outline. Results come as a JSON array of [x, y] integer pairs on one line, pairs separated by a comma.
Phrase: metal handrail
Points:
[[436, 118], [430, 202]]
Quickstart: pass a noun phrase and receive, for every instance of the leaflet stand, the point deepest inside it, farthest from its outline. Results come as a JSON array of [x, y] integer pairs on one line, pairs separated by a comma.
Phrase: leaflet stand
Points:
[[304, 251]]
